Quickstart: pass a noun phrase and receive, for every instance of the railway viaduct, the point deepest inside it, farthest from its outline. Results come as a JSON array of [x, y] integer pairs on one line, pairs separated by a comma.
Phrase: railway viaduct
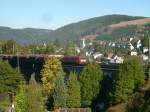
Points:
[[28, 64]]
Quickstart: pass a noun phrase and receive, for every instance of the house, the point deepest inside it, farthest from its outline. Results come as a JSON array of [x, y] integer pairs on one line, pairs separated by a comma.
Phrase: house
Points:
[[77, 49], [113, 44], [109, 56], [133, 53], [119, 60], [138, 44], [145, 58], [83, 43], [131, 46], [97, 55], [130, 39], [145, 49]]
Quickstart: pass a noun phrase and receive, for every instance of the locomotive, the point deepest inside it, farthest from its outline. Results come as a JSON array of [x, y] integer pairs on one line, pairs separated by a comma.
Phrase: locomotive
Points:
[[75, 60]]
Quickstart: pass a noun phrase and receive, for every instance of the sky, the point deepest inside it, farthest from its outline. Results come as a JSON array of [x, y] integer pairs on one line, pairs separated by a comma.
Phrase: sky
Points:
[[52, 14]]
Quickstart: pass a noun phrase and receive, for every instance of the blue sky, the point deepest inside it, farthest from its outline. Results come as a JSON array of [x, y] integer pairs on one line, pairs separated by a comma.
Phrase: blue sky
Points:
[[52, 14]]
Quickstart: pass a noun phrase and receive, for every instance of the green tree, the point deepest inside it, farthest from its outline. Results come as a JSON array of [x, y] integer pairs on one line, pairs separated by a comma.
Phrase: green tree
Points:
[[90, 79], [129, 80], [51, 48], [35, 100], [56, 43], [145, 41], [138, 72], [11, 47], [70, 49], [74, 94], [21, 100], [136, 103], [9, 78], [52, 66], [60, 93]]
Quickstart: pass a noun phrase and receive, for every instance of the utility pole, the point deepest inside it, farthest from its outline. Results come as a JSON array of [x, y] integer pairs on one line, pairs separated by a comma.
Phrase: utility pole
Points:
[[148, 58], [18, 67], [148, 78]]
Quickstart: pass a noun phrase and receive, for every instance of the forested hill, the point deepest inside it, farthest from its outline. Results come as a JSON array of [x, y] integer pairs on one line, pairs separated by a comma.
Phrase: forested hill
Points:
[[24, 36], [90, 26], [94, 26]]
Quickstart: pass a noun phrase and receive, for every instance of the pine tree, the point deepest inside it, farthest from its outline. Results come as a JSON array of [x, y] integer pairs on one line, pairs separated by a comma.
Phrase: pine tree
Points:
[[70, 49], [21, 100], [74, 94], [9, 78], [124, 85], [35, 98], [129, 80], [138, 72], [60, 93], [52, 66], [90, 79]]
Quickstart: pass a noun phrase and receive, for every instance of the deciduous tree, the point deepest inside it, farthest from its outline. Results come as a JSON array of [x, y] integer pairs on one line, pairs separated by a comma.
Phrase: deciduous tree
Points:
[[52, 66]]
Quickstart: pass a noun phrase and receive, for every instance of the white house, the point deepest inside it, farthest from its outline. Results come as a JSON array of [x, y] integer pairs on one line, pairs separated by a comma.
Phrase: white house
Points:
[[113, 44], [77, 49], [145, 58], [118, 59], [131, 46], [138, 44], [133, 53], [131, 39], [83, 43], [145, 49], [97, 54]]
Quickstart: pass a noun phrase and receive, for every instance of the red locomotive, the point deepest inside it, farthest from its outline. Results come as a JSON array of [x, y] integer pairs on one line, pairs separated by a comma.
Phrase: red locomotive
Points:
[[74, 60]]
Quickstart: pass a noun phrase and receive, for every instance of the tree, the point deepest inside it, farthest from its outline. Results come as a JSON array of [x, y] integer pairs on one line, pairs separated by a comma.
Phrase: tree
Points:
[[145, 41], [60, 93], [136, 103], [90, 79], [12, 47], [74, 94], [52, 66], [35, 100], [138, 72], [56, 43], [21, 100], [9, 78], [129, 80], [51, 48], [70, 49]]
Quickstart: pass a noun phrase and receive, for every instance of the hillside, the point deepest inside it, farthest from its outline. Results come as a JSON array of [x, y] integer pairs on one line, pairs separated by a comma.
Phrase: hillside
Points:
[[132, 22], [91, 26], [24, 36], [98, 26]]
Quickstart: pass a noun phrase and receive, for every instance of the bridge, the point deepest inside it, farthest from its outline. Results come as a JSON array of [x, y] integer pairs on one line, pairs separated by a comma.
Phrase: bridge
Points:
[[28, 64]]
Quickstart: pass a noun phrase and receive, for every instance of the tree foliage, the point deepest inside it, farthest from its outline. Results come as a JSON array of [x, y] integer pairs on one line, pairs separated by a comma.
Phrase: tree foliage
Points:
[[74, 94], [136, 103], [60, 93], [9, 78], [35, 100], [70, 49], [52, 66], [90, 79], [21, 100], [129, 80]]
